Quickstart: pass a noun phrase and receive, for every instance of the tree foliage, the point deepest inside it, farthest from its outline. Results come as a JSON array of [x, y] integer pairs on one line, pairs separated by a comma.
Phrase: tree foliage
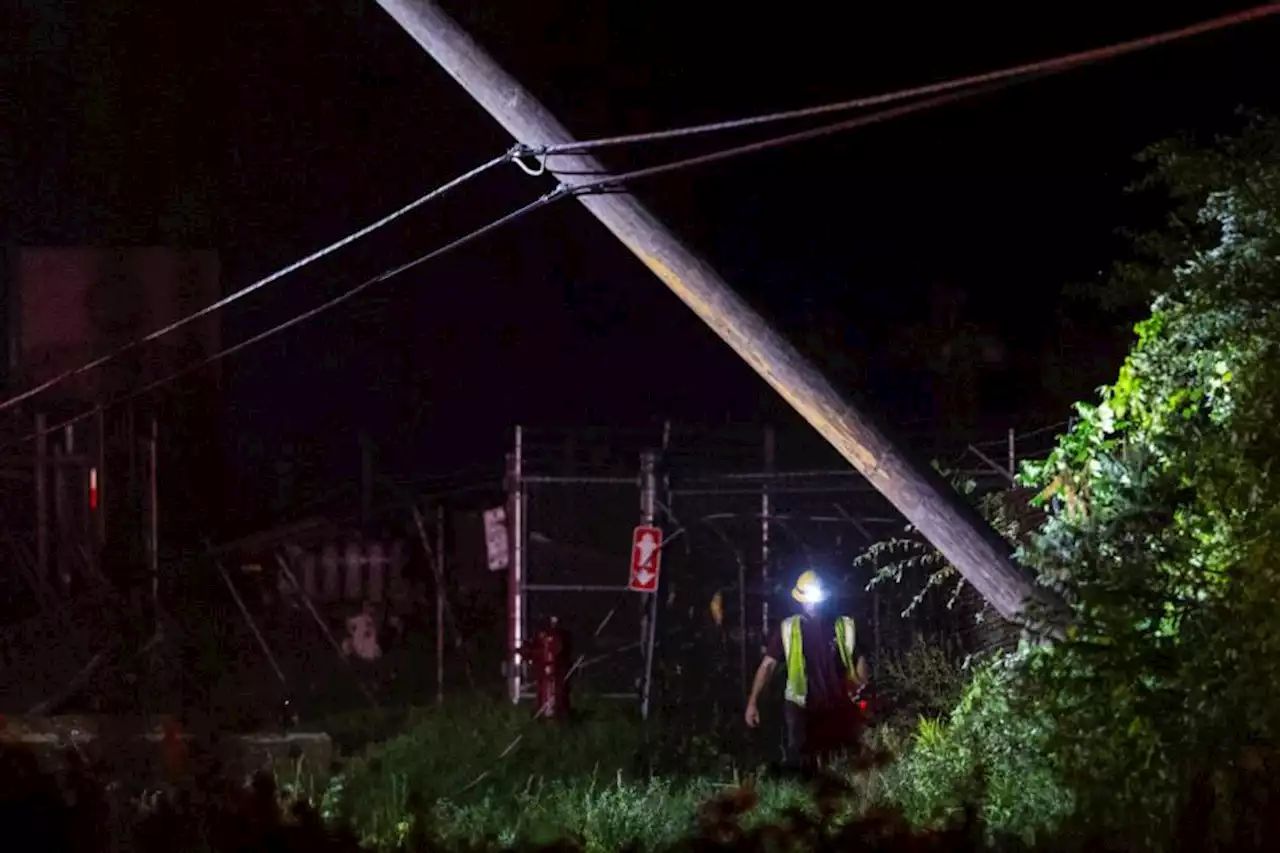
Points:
[[1163, 520]]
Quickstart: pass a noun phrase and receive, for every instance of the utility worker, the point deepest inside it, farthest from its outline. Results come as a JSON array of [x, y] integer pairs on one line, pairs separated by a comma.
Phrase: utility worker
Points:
[[823, 672]]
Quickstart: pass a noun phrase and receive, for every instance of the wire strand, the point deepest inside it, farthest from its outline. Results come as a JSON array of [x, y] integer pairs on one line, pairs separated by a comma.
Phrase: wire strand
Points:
[[304, 316], [957, 90], [615, 183], [977, 81], [608, 184], [1042, 67], [94, 364], [604, 185], [1007, 75]]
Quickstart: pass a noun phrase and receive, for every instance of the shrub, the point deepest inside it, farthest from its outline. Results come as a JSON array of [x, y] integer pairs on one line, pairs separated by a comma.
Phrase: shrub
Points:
[[1162, 531], [988, 751], [1163, 521], [925, 680]]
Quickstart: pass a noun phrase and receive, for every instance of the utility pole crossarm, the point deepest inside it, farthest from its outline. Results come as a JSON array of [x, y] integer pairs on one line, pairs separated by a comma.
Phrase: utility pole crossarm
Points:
[[918, 492]]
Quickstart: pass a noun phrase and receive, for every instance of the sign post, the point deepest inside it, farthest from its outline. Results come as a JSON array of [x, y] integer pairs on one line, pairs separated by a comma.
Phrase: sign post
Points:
[[646, 559]]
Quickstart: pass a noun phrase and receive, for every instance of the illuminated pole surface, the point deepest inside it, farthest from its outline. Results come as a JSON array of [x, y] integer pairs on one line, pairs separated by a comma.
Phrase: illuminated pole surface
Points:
[[918, 492]]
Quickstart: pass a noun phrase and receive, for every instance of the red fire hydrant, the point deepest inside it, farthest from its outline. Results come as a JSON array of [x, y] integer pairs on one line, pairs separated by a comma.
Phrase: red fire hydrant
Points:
[[548, 654]]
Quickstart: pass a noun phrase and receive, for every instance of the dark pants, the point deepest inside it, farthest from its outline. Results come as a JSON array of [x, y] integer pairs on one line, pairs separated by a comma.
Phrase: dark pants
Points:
[[814, 735], [796, 748]]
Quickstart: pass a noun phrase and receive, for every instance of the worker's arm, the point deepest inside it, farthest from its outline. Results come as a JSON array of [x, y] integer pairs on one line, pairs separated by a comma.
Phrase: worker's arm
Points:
[[763, 673]]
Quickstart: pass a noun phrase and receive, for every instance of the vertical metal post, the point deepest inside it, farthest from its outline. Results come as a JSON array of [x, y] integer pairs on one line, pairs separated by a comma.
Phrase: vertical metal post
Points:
[[648, 487], [515, 569], [1013, 453], [42, 500], [101, 517], [78, 529], [154, 514], [770, 448], [440, 604], [649, 623], [70, 531], [61, 529]]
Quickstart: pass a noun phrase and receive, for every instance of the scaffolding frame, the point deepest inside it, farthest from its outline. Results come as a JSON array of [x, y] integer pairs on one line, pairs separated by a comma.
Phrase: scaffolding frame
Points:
[[663, 493], [521, 587]]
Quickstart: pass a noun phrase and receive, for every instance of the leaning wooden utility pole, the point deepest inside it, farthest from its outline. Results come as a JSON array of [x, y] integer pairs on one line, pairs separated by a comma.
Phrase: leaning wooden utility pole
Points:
[[918, 492]]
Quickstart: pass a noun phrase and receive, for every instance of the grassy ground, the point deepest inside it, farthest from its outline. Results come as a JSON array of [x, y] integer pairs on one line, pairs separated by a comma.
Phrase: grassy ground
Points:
[[455, 774]]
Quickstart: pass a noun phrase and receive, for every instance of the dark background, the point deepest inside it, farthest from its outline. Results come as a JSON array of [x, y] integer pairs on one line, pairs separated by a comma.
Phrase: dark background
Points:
[[267, 129]]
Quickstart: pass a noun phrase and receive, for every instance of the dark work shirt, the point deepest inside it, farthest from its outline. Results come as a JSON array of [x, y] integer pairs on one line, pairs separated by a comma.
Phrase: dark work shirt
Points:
[[825, 673]]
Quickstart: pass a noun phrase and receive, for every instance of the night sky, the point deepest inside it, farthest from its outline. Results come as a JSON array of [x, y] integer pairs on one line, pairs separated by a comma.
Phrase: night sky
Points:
[[268, 129]]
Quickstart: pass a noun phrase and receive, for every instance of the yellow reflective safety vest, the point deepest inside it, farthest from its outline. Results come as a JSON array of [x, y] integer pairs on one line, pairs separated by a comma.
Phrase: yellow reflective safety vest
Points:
[[797, 682]]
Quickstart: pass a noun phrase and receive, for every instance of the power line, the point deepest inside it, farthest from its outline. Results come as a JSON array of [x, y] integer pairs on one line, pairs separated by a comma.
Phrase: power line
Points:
[[561, 191], [979, 81], [1055, 65], [615, 183], [257, 285], [306, 315], [956, 90], [612, 183]]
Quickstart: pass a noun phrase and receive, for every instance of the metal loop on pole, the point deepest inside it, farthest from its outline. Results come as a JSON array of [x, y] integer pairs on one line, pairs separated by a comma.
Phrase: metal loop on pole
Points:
[[533, 173]]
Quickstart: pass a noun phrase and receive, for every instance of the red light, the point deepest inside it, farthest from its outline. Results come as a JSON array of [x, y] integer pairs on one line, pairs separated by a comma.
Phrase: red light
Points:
[[862, 704], [93, 488]]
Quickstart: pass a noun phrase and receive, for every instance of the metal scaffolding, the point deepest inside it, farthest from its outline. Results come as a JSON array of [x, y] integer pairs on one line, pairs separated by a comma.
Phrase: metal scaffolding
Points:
[[742, 513]]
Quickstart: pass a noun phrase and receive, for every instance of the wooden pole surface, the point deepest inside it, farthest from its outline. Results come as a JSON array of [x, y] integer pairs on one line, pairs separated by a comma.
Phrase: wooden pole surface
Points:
[[914, 488]]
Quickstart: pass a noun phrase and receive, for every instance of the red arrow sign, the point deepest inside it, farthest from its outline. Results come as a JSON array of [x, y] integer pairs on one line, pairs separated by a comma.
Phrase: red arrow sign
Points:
[[646, 559]]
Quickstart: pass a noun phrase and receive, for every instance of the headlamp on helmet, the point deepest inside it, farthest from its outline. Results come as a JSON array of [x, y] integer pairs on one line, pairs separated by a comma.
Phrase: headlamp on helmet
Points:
[[808, 589]]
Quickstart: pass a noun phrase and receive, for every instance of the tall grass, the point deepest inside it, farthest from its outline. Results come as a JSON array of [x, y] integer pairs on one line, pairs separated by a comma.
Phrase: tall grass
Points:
[[482, 771]]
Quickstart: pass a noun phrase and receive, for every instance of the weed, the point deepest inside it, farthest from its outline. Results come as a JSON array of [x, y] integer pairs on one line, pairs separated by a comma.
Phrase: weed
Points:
[[483, 772]]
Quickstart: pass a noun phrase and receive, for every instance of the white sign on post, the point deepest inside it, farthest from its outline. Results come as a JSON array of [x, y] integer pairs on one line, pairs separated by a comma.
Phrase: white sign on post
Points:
[[497, 544]]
